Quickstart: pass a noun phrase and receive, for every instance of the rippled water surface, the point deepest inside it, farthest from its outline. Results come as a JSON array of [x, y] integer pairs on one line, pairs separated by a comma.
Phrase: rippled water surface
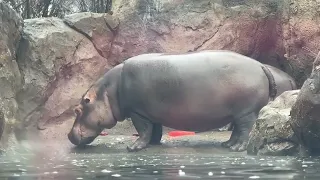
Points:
[[222, 165]]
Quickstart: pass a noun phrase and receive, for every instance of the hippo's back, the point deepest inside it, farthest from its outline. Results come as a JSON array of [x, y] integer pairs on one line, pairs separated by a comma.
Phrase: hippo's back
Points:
[[187, 86]]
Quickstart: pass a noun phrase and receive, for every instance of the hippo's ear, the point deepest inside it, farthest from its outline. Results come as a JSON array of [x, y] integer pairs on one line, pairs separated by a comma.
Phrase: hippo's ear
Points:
[[78, 110]]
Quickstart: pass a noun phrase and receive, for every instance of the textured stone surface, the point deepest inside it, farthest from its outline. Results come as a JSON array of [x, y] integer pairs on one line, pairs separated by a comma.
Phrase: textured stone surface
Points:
[[272, 134], [10, 78], [305, 113], [58, 65], [99, 28], [301, 36], [280, 33], [249, 28]]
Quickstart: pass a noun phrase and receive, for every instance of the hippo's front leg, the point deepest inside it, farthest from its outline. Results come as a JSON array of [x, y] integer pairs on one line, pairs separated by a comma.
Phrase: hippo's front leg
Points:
[[144, 128]]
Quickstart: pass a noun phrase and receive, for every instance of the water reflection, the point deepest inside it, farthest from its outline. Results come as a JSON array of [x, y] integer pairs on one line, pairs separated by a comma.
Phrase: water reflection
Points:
[[162, 166], [55, 160]]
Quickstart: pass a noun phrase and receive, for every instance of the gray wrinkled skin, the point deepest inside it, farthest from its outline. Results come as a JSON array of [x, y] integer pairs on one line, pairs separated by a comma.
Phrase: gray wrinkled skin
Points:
[[197, 91]]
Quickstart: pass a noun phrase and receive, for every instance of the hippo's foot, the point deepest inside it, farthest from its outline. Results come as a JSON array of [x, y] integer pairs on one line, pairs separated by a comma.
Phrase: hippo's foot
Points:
[[239, 138], [233, 139], [235, 145], [145, 130], [138, 145]]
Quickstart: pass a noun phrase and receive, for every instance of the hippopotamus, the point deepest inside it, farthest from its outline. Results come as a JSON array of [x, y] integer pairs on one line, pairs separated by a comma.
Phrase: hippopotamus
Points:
[[196, 91]]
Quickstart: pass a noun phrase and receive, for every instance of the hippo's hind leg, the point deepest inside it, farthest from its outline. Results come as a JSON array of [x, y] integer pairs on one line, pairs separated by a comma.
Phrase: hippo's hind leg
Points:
[[233, 138], [156, 134], [240, 134], [144, 128]]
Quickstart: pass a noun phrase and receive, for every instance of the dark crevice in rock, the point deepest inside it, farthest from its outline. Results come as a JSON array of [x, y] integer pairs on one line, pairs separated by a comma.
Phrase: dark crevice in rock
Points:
[[114, 31], [2, 123], [200, 12], [87, 36], [206, 40], [160, 34], [77, 47]]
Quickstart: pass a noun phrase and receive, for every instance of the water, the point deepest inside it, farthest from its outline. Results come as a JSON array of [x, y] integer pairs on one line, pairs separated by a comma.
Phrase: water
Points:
[[150, 165]]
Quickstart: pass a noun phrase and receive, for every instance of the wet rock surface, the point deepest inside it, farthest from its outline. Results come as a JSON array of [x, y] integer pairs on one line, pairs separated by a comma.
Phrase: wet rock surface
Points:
[[272, 134], [10, 78], [305, 113]]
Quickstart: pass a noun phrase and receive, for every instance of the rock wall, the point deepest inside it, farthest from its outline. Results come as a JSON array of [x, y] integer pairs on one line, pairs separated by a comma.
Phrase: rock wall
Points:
[[44, 72], [252, 29], [305, 113], [301, 36], [10, 78]]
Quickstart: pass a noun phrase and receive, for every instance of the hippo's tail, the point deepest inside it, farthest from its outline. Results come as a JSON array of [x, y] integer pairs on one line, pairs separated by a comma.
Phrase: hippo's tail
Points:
[[272, 83], [293, 84]]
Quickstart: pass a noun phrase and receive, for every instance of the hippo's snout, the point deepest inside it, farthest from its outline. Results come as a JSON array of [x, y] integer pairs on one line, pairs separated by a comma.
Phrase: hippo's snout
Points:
[[78, 140], [74, 139]]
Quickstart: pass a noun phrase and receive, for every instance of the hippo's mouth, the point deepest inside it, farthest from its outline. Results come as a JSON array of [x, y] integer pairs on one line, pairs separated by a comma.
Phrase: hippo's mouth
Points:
[[87, 140], [80, 141]]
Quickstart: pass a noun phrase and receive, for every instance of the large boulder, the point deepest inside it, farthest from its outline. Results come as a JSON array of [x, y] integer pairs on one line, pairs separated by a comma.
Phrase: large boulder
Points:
[[305, 113], [272, 134], [58, 64], [10, 79]]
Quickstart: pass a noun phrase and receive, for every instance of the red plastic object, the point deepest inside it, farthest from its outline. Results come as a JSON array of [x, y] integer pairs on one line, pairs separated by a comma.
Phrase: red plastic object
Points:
[[181, 133], [103, 133]]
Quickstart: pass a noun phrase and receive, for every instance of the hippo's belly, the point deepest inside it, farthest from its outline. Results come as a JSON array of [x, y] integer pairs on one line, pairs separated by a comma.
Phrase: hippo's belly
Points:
[[193, 122], [197, 107]]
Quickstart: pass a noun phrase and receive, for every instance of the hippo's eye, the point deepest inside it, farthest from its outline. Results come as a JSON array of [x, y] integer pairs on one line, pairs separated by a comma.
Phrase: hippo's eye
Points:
[[86, 100]]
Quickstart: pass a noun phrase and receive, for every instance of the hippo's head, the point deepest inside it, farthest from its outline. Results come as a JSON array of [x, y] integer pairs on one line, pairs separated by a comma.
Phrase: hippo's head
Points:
[[93, 114]]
